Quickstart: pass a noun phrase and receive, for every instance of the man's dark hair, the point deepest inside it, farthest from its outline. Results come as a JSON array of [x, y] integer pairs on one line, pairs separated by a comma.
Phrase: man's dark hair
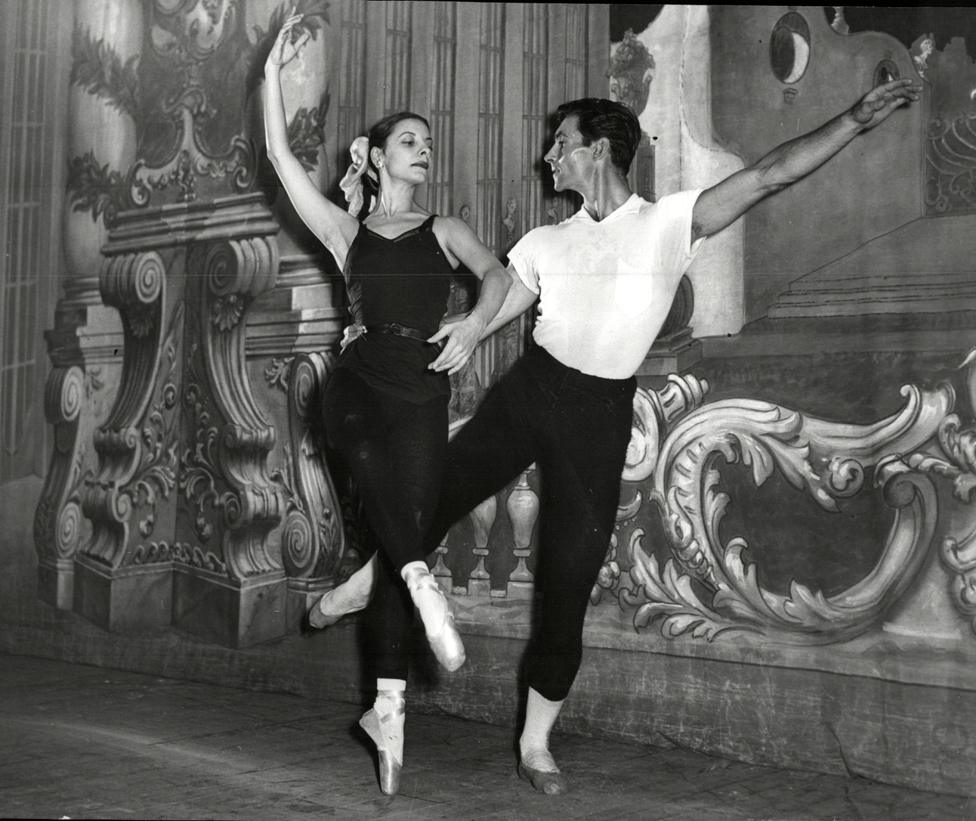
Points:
[[605, 118]]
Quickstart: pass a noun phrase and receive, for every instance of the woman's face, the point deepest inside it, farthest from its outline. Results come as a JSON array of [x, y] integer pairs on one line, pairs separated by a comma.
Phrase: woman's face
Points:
[[407, 152]]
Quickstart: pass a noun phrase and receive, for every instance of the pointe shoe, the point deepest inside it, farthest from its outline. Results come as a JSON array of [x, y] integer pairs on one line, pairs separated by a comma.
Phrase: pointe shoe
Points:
[[549, 782], [326, 611], [349, 597], [442, 635], [390, 765]]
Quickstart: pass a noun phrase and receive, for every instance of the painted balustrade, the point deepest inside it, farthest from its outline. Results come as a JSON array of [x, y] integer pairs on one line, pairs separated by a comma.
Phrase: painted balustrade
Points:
[[482, 519]]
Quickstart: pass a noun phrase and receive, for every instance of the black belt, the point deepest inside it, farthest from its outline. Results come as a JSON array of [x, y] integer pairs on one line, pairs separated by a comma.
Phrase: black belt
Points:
[[399, 330]]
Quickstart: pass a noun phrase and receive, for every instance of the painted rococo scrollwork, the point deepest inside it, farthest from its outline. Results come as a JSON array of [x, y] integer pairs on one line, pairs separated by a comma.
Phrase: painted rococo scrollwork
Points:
[[828, 461], [186, 92], [708, 586], [135, 284], [313, 540], [631, 72], [955, 461], [950, 140], [58, 519], [235, 445]]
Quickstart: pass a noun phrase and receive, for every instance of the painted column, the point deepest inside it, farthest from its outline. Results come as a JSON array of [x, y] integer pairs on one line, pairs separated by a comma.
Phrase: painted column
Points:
[[674, 109], [292, 327], [184, 498], [303, 313], [85, 345]]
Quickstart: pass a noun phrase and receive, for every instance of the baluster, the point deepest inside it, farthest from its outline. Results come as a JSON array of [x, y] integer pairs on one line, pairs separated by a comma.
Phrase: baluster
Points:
[[482, 518], [441, 571], [523, 510]]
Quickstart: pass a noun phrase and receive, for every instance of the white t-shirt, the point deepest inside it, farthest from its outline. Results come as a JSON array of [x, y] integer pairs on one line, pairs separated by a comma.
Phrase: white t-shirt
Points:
[[605, 288]]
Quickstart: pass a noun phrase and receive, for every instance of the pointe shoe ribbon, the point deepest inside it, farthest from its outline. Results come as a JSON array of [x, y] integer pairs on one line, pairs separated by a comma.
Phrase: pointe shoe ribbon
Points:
[[549, 782], [442, 634], [390, 765]]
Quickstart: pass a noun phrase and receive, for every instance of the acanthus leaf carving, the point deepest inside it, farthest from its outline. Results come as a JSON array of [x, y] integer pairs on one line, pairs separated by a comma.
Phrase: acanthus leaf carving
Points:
[[655, 412], [276, 374], [179, 553], [957, 463], [155, 478], [667, 595]]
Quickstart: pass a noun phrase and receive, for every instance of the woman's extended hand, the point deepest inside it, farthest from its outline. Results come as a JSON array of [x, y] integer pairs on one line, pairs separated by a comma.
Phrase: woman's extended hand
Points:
[[284, 50], [462, 337]]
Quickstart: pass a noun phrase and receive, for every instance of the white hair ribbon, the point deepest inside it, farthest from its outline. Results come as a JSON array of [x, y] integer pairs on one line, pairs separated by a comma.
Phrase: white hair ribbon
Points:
[[351, 184]]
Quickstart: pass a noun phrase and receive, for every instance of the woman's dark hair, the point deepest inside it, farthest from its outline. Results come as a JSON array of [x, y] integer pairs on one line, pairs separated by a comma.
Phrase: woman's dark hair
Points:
[[606, 118], [378, 134]]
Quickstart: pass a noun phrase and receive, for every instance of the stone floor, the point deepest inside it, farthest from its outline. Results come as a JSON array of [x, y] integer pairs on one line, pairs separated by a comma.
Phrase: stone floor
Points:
[[86, 742]]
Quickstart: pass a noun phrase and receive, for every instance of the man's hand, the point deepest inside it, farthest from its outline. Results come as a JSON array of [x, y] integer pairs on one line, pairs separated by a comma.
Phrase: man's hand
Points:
[[462, 337], [723, 203], [875, 106]]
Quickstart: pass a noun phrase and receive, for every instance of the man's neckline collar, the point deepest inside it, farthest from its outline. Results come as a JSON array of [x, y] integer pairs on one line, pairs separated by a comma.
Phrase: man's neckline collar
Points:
[[628, 206]]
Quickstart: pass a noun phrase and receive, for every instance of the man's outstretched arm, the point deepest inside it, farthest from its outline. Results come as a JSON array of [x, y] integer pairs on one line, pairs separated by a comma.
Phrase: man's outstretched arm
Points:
[[722, 204]]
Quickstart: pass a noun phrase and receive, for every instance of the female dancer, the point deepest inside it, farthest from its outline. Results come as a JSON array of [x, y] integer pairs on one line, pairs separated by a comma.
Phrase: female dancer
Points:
[[385, 403]]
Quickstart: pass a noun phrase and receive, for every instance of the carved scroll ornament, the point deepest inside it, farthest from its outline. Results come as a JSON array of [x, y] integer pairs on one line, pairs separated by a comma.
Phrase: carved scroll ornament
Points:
[[58, 519], [234, 272], [135, 285], [709, 588], [313, 542], [956, 462]]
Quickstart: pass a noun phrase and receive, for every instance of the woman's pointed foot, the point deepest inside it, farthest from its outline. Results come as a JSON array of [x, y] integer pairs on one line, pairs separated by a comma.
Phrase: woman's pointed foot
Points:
[[442, 634], [327, 610], [386, 733], [349, 597]]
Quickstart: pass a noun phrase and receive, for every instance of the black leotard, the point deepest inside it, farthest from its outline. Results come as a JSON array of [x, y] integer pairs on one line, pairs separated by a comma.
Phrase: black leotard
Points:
[[406, 280]]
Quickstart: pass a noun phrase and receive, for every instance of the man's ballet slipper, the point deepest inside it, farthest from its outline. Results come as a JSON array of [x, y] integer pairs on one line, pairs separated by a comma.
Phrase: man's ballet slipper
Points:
[[545, 781]]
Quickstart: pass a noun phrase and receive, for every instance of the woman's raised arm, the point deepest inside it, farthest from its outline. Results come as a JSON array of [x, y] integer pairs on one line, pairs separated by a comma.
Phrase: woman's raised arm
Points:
[[334, 227]]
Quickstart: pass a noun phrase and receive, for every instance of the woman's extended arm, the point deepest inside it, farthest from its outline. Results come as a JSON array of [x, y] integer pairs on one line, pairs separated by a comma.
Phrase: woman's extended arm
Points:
[[335, 228], [463, 336]]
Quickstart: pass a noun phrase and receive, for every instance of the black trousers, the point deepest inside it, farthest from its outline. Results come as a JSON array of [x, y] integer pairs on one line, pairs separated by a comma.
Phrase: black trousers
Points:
[[576, 429], [395, 451]]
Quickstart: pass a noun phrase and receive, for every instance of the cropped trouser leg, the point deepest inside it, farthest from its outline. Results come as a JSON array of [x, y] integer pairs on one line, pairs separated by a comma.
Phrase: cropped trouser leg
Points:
[[576, 429]]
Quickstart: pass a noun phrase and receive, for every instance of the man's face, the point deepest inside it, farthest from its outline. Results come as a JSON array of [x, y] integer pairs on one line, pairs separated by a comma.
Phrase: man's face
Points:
[[569, 159]]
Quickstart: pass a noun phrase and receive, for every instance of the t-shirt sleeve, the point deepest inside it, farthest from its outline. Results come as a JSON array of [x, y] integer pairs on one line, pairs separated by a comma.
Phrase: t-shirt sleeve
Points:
[[676, 212], [522, 259]]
